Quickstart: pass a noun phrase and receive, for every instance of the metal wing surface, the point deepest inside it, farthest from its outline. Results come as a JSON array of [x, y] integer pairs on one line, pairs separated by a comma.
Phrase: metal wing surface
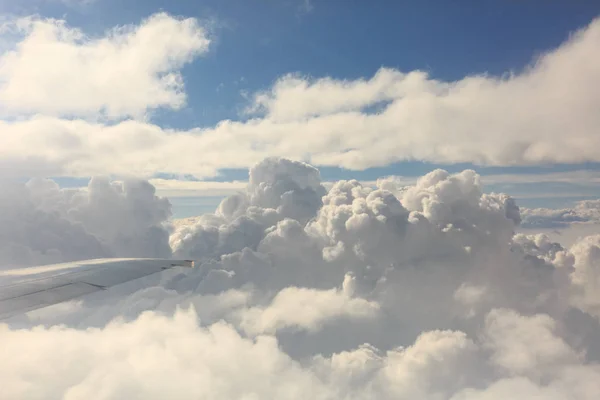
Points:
[[26, 289]]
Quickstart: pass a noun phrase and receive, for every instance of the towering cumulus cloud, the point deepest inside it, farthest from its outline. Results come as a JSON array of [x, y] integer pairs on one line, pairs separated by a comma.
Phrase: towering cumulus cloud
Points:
[[391, 292]]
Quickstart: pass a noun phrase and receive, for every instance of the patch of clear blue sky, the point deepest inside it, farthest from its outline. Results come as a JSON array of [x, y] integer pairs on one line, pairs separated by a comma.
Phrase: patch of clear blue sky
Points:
[[257, 41]]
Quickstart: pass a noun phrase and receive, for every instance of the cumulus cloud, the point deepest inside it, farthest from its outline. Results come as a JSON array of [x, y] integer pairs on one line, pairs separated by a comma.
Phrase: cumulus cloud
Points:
[[42, 224], [281, 195], [30, 236], [388, 292], [520, 118], [531, 348], [168, 358], [156, 356], [55, 69], [587, 272]]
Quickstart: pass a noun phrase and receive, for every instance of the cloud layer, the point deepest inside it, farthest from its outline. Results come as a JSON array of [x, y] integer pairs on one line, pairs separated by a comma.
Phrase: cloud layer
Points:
[[543, 114], [586, 211], [399, 292]]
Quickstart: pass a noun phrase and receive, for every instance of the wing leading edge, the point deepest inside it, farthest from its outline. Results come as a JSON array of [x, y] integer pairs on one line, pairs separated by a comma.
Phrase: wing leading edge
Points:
[[26, 289]]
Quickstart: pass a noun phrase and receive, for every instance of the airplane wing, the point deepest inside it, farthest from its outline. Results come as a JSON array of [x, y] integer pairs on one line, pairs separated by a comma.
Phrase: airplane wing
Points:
[[26, 289]]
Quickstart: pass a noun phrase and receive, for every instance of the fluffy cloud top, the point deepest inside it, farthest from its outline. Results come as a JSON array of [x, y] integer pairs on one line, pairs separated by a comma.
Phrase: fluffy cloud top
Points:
[[387, 292], [545, 113], [58, 70]]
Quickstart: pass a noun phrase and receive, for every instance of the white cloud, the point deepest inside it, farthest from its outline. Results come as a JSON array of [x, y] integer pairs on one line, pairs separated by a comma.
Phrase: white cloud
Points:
[[278, 190], [519, 119], [295, 97], [565, 225], [546, 113], [586, 211], [156, 356], [587, 273], [153, 357], [40, 223], [356, 293], [306, 309], [526, 345], [58, 70], [30, 236]]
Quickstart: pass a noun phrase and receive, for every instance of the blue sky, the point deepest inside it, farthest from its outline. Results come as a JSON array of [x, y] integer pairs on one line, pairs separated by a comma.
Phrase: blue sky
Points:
[[256, 42]]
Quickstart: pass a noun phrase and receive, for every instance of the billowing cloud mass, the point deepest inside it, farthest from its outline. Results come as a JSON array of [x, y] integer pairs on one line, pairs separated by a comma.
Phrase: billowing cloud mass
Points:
[[388, 292], [43, 224], [546, 113], [55, 69]]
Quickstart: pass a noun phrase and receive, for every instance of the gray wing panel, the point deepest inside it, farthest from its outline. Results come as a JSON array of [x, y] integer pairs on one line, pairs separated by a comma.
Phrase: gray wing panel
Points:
[[27, 289], [44, 298]]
